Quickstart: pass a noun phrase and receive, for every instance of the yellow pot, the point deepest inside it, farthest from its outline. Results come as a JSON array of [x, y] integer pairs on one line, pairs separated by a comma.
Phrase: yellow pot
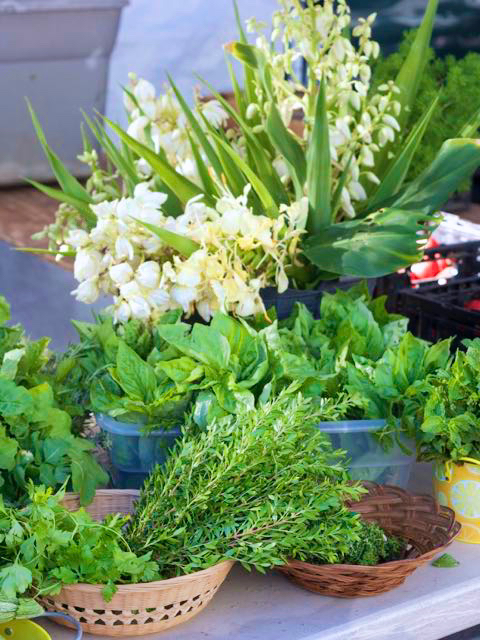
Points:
[[459, 489], [22, 630]]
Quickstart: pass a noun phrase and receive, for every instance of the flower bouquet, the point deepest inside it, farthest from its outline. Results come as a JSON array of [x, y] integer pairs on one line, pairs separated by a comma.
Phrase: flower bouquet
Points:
[[202, 207]]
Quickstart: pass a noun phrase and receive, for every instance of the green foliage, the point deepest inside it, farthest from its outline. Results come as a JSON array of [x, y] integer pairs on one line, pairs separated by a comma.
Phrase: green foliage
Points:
[[18, 609], [374, 547], [259, 487], [452, 410], [44, 546], [456, 84], [36, 440], [445, 561]]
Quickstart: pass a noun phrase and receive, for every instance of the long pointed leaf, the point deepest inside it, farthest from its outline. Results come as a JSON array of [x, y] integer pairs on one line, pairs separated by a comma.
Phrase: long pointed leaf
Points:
[[197, 130], [184, 246], [83, 208], [337, 196], [183, 188], [65, 179], [263, 163], [266, 199], [398, 169], [202, 168], [470, 128], [319, 169], [249, 75], [456, 161], [50, 252], [409, 77]]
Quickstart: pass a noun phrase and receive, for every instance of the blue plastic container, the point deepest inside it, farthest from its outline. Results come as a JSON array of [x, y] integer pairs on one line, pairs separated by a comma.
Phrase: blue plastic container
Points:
[[133, 454], [367, 458]]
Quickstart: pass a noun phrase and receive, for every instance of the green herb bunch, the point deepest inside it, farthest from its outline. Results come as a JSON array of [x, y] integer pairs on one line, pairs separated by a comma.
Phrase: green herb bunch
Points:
[[374, 547], [396, 386], [259, 487], [36, 439], [452, 84], [452, 410], [45, 546]]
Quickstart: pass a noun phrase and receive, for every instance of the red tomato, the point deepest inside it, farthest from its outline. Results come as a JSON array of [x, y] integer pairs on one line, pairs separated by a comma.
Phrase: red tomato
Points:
[[425, 269]]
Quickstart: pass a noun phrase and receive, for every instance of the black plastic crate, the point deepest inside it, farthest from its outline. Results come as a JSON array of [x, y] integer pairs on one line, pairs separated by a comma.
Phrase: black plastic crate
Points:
[[465, 257], [438, 311]]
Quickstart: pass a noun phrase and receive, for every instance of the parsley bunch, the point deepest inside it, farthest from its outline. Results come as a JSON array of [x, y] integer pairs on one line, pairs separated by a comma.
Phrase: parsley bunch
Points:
[[45, 546]]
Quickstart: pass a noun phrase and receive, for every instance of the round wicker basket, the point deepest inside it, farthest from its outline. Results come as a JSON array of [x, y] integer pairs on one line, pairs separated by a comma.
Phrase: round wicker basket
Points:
[[137, 609], [428, 527]]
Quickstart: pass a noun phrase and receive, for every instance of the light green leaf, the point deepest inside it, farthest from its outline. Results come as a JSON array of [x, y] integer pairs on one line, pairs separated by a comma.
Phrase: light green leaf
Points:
[[4, 310], [261, 190], [185, 246], [456, 160], [10, 362], [70, 185], [135, 376], [445, 561], [398, 168], [62, 196], [8, 450], [197, 130], [319, 171]]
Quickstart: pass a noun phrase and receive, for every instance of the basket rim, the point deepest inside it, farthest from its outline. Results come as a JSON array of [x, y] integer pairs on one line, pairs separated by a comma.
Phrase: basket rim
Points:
[[453, 532], [140, 587]]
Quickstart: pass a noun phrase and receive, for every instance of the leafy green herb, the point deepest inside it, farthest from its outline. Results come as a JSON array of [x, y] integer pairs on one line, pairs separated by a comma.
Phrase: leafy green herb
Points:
[[445, 561], [452, 410], [374, 547], [44, 546], [36, 440], [259, 487]]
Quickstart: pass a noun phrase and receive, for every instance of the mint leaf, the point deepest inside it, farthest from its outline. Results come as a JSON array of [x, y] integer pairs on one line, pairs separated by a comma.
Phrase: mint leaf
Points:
[[445, 561], [14, 400]]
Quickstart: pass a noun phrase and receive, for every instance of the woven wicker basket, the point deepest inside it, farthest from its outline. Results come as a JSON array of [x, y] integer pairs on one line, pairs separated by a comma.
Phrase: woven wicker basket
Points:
[[137, 609], [428, 527]]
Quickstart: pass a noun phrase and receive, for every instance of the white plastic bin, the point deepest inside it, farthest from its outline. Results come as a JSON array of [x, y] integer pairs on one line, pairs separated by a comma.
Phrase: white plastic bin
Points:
[[56, 53], [367, 458]]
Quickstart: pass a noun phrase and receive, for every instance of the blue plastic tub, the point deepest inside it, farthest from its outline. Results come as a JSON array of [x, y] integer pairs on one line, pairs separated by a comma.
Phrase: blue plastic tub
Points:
[[133, 454], [366, 457]]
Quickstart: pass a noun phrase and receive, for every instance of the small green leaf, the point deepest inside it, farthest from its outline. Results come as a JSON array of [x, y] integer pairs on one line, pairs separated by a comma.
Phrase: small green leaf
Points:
[[185, 246], [445, 561]]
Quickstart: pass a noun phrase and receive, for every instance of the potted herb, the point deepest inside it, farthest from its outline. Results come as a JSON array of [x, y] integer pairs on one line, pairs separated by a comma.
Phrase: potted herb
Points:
[[194, 217], [449, 437]]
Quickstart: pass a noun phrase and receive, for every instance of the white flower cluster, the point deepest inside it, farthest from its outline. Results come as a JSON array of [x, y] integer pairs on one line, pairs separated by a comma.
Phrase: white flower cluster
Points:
[[159, 121], [360, 123], [239, 253]]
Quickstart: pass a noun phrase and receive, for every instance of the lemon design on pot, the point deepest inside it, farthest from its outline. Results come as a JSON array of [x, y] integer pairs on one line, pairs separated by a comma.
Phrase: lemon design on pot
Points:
[[458, 486], [465, 496]]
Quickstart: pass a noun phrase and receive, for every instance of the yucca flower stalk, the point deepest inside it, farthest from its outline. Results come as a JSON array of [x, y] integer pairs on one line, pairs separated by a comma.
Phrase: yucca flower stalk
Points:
[[328, 201]]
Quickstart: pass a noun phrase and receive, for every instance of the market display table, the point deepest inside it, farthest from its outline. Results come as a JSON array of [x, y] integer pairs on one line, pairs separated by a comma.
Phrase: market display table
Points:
[[432, 604]]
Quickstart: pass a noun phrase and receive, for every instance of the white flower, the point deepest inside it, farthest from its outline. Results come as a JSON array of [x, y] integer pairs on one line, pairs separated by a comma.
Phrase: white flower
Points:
[[122, 312], [140, 308], [88, 264], [77, 238], [130, 290], [184, 296], [144, 91], [159, 298], [87, 291], [248, 305], [148, 274], [121, 273], [188, 274], [214, 113], [123, 249]]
